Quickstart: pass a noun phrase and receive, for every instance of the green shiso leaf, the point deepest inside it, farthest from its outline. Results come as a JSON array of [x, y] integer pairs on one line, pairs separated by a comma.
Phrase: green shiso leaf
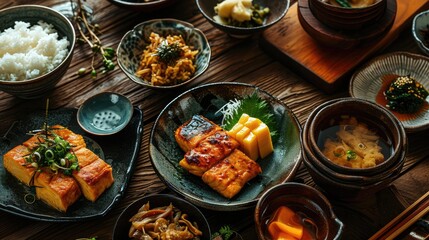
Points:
[[254, 106]]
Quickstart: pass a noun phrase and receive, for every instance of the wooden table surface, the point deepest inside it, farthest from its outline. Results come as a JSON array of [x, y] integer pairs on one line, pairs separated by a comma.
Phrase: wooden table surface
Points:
[[233, 60]]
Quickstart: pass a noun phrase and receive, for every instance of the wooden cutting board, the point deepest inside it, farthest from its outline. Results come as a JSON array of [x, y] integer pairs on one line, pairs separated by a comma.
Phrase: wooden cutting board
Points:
[[327, 67]]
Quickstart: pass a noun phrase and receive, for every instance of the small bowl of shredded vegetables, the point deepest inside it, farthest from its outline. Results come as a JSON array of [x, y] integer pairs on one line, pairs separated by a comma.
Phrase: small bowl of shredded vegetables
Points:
[[243, 18], [161, 216]]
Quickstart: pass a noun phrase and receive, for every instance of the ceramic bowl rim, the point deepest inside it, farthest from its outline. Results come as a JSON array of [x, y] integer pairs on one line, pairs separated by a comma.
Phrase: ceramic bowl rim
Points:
[[70, 48], [105, 133], [414, 30], [170, 197], [143, 82], [336, 8], [321, 199]]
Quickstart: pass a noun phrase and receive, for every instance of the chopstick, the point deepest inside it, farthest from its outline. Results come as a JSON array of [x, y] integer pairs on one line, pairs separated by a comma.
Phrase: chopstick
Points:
[[404, 220]]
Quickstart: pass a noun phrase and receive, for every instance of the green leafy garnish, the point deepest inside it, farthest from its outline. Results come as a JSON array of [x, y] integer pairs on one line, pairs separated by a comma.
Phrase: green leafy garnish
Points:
[[224, 233], [350, 155], [53, 152], [168, 53], [252, 105]]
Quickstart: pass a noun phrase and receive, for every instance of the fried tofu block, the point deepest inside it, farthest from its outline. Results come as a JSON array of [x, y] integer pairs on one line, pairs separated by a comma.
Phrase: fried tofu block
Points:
[[189, 134], [15, 163], [208, 152], [230, 175], [57, 190], [75, 140], [94, 178]]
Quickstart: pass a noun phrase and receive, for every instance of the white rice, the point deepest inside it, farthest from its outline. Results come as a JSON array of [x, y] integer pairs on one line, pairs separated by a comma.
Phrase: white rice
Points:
[[27, 52]]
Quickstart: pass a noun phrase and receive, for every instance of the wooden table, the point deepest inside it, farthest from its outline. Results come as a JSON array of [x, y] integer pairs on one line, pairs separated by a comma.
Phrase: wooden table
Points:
[[232, 60]]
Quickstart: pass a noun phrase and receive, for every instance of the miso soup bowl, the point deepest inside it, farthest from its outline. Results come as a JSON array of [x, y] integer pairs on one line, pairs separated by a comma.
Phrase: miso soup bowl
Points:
[[343, 18], [305, 201], [333, 177]]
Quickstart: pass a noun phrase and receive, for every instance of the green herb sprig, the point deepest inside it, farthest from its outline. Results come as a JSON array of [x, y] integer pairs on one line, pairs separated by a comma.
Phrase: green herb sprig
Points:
[[225, 233], [254, 106], [88, 33], [52, 152]]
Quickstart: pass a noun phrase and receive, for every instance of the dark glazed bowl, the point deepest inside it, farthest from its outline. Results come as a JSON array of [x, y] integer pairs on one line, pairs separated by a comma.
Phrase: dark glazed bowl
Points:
[[278, 10], [39, 86], [353, 182], [142, 5], [338, 17], [122, 225], [206, 100], [299, 198]]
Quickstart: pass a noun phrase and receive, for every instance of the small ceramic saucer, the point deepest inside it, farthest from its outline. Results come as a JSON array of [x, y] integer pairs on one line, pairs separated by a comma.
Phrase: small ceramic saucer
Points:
[[105, 113]]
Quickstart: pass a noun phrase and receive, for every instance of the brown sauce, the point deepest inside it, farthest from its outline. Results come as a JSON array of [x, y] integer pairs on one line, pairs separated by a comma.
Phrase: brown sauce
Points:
[[386, 80]]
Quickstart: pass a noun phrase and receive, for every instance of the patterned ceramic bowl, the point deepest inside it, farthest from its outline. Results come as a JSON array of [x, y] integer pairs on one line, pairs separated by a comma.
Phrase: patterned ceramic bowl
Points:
[[135, 41], [37, 87], [420, 24], [369, 81]]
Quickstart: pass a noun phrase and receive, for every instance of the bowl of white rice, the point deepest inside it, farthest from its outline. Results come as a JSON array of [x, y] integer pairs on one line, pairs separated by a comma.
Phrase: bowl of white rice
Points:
[[36, 49]]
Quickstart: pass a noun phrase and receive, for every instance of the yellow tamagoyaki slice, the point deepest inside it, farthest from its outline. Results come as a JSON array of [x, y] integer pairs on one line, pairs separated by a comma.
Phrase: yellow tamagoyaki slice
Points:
[[243, 118], [242, 134], [265, 144], [239, 125], [252, 123], [235, 129], [250, 146]]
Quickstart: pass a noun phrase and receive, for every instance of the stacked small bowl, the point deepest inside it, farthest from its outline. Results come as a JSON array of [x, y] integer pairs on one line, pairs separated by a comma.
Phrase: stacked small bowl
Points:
[[345, 182], [343, 18]]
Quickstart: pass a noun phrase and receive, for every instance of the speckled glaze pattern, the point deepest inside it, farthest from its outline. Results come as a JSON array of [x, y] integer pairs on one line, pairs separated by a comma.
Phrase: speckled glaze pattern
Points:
[[105, 113], [111, 148], [206, 100], [135, 41], [367, 81], [39, 86], [421, 22]]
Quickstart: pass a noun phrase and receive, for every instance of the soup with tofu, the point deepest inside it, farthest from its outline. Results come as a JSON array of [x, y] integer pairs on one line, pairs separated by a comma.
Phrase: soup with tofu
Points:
[[354, 143]]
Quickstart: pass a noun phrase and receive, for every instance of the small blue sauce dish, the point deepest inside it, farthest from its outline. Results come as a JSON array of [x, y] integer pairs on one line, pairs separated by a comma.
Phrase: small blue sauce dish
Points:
[[105, 113]]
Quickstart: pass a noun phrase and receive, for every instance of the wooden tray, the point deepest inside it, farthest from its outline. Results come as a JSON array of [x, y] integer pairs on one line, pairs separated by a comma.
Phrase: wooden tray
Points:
[[328, 67]]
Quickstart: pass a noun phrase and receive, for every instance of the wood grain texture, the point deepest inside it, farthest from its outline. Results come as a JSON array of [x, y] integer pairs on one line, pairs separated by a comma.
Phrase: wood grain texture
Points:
[[233, 60], [329, 67]]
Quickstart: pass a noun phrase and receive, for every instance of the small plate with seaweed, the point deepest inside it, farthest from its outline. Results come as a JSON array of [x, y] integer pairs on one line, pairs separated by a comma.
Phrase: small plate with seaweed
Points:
[[399, 82], [208, 101]]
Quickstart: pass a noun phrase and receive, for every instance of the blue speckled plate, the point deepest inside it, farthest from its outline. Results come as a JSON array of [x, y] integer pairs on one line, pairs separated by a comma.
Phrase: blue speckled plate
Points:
[[120, 151], [135, 41], [206, 100]]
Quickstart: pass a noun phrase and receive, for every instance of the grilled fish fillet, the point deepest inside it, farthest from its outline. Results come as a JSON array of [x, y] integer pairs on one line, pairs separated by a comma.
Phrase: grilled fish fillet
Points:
[[189, 134], [230, 175], [208, 152]]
